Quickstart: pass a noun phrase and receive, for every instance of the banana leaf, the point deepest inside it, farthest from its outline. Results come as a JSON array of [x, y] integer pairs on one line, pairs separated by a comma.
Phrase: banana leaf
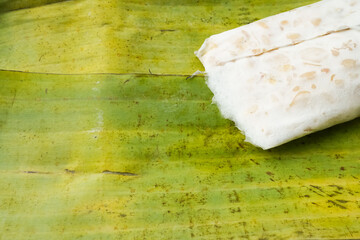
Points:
[[104, 136]]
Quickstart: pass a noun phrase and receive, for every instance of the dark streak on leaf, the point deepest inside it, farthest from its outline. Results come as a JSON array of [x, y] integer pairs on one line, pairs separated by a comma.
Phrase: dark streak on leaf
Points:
[[6, 6], [41, 57], [317, 187], [70, 171], [36, 172], [119, 173], [316, 193], [100, 73], [336, 204], [13, 100], [320, 189], [254, 161], [338, 187], [234, 197]]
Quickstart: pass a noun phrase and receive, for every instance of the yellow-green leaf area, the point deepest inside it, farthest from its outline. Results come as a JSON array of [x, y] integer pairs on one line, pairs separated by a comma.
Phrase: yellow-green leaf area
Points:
[[104, 136]]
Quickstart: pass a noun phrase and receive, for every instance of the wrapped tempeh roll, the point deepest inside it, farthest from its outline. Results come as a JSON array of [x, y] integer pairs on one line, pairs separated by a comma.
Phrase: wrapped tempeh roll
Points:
[[283, 88]]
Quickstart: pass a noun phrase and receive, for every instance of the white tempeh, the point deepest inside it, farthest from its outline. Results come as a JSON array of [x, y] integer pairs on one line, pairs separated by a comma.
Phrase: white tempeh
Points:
[[290, 87], [280, 30]]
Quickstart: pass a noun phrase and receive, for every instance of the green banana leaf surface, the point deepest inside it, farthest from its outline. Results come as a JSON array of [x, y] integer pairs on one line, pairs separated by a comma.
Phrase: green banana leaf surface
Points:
[[103, 135]]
